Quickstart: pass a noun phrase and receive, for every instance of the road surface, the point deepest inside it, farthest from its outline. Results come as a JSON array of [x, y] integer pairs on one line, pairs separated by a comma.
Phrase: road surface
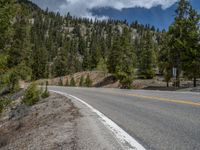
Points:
[[158, 120]]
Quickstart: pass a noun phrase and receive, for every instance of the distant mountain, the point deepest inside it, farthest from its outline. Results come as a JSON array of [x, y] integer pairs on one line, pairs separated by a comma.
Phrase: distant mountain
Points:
[[160, 18], [155, 16]]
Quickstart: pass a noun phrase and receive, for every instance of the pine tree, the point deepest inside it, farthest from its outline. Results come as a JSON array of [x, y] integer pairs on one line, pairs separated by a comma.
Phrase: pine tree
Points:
[[21, 47], [102, 66], [165, 64], [126, 60], [74, 63], [7, 13], [86, 60], [40, 58], [72, 82], [95, 52], [88, 81], [60, 63], [191, 54], [46, 42], [114, 55], [146, 56], [81, 83], [178, 36]]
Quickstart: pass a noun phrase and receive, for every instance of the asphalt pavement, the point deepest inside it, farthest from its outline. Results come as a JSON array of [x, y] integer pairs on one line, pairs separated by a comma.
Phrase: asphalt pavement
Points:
[[158, 120]]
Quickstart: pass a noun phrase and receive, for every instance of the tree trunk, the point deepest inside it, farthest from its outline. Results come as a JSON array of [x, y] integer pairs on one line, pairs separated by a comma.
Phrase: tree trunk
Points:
[[195, 82], [167, 83]]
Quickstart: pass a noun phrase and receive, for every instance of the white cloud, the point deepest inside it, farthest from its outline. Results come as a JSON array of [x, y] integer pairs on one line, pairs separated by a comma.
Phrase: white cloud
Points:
[[81, 8]]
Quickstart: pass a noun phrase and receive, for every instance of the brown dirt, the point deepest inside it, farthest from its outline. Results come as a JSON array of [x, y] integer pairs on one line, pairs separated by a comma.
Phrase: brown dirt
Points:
[[102, 79], [49, 125], [95, 76]]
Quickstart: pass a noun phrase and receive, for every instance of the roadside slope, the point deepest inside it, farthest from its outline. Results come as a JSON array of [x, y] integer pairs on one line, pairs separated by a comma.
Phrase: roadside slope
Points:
[[54, 123]]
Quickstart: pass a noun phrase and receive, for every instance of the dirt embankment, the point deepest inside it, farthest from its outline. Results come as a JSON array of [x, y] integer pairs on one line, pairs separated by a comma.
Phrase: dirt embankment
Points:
[[98, 78], [49, 125], [106, 80]]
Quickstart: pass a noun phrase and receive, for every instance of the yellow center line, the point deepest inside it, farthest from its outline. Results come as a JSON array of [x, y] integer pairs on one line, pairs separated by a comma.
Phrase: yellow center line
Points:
[[165, 99]]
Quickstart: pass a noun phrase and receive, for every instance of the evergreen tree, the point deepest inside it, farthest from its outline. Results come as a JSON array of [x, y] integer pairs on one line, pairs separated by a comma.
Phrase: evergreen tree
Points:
[[102, 66], [146, 56], [126, 60], [74, 63], [72, 82], [86, 60], [21, 47], [165, 64], [7, 13], [191, 54], [39, 66], [81, 83], [178, 36], [60, 63], [95, 52], [114, 55], [44, 42], [88, 81]]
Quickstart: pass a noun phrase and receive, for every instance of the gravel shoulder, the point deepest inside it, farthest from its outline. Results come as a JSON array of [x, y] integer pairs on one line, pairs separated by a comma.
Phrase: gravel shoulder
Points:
[[54, 123]]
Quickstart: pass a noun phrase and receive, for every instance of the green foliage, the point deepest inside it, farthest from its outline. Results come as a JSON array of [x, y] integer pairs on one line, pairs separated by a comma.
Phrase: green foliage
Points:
[[32, 95], [39, 66], [4, 102], [13, 81], [60, 63], [114, 55], [146, 57], [72, 82], [125, 80], [164, 58], [10, 80], [46, 93], [184, 41], [191, 54], [81, 83], [88, 81], [122, 59], [3, 62], [24, 72], [178, 33], [102, 66], [7, 13], [36, 44]]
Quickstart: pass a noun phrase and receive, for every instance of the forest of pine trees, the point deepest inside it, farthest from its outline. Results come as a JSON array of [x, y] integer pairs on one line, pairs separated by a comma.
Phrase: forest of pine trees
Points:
[[37, 44]]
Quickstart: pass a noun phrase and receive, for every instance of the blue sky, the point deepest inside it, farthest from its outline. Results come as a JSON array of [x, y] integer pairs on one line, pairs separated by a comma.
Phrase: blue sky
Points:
[[154, 12]]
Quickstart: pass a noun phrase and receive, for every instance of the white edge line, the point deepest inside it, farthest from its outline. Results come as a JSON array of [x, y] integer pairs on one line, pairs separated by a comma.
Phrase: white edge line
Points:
[[124, 139]]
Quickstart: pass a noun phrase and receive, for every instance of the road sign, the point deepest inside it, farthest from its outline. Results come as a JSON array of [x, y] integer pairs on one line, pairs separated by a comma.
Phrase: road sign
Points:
[[174, 72]]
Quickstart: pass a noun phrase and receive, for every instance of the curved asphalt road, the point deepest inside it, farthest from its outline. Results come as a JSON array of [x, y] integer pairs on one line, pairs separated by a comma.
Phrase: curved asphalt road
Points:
[[157, 120]]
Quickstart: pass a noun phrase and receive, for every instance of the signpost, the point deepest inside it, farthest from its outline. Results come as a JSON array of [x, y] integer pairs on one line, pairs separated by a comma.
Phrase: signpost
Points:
[[174, 71]]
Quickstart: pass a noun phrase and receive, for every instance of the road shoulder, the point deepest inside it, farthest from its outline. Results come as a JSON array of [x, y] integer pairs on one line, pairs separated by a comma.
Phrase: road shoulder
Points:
[[54, 123]]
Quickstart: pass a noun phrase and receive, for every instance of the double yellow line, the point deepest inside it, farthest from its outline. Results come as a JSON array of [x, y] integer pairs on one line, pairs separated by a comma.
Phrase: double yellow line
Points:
[[165, 99]]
